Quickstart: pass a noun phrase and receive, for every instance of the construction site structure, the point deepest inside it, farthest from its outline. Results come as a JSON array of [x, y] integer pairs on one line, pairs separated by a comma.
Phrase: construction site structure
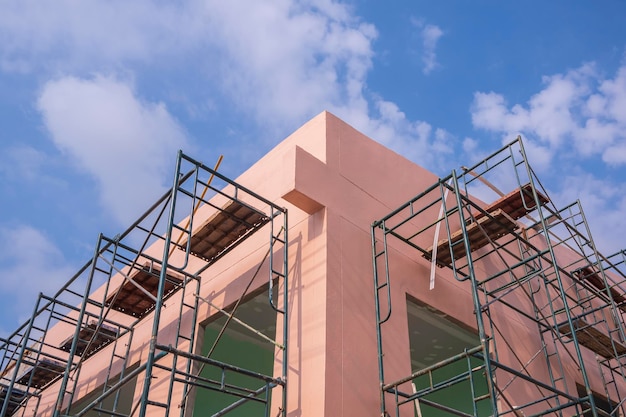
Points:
[[487, 299], [128, 334], [548, 307]]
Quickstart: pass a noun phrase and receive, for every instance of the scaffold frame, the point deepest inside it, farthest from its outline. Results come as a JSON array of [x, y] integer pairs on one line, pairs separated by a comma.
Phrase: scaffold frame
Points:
[[518, 247], [154, 268]]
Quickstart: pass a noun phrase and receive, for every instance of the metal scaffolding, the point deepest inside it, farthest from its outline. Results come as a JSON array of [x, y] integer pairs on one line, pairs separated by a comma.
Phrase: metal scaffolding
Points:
[[528, 264], [130, 315]]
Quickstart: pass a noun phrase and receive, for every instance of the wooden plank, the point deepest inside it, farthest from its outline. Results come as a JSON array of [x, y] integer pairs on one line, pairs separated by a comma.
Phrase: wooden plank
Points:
[[517, 203], [129, 299], [592, 277], [479, 233], [42, 372], [224, 229], [593, 339], [482, 229], [15, 399], [104, 336]]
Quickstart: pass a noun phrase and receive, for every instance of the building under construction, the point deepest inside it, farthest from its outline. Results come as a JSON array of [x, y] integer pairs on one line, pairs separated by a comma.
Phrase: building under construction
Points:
[[334, 278]]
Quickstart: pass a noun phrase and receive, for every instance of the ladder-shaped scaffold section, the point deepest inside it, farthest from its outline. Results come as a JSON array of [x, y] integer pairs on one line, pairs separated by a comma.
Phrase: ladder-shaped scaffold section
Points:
[[595, 303], [122, 337], [541, 317], [608, 276], [36, 357]]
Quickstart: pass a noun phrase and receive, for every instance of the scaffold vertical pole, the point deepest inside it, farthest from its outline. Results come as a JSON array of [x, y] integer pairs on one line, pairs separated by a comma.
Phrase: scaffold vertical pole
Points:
[[159, 298]]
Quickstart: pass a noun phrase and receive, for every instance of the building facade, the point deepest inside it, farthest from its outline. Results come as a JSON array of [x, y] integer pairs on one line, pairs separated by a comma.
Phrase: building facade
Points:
[[333, 278]]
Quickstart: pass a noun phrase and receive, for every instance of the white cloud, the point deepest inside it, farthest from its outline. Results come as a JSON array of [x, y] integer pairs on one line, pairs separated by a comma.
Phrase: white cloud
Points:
[[283, 61], [416, 140], [280, 62], [614, 91], [125, 143], [29, 264], [470, 145], [577, 110], [68, 34], [578, 115], [604, 204], [429, 36], [286, 61]]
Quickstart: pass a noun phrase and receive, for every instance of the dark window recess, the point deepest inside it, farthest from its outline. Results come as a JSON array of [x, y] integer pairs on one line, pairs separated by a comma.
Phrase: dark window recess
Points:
[[604, 407]]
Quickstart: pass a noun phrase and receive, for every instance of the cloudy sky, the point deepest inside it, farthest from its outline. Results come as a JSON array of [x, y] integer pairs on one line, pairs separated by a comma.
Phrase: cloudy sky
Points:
[[97, 96]]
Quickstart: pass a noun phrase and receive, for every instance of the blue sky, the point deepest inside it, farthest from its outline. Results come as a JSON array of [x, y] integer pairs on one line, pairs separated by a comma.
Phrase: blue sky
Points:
[[97, 96]]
